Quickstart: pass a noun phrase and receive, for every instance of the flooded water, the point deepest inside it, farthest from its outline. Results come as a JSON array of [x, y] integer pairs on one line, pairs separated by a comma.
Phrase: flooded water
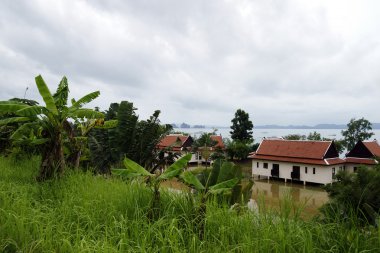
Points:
[[310, 198]]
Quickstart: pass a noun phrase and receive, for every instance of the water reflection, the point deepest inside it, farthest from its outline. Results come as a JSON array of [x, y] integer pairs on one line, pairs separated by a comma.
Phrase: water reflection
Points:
[[311, 197]]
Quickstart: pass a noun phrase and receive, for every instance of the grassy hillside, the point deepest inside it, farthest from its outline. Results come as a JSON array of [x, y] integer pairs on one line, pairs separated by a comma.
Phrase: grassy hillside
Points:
[[86, 213]]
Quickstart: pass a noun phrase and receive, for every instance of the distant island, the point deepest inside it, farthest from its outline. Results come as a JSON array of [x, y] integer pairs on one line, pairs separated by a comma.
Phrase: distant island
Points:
[[318, 126]]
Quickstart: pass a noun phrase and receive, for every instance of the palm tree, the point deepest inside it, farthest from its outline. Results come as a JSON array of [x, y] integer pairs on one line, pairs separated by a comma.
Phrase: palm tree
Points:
[[51, 122]]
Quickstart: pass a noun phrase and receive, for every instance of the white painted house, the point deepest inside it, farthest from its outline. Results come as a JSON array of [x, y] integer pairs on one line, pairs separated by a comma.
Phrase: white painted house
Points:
[[305, 161]]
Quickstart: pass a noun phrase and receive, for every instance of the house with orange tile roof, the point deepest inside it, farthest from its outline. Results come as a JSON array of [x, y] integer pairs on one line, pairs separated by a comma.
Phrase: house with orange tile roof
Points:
[[183, 144], [176, 142], [364, 153], [304, 161]]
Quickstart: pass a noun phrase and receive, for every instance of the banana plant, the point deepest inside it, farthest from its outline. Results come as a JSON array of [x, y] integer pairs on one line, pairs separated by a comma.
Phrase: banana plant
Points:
[[224, 179], [134, 170], [52, 120]]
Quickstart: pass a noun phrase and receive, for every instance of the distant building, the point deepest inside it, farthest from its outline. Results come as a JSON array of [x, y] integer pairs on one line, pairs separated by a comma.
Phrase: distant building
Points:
[[363, 153], [305, 161], [176, 142], [184, 144]]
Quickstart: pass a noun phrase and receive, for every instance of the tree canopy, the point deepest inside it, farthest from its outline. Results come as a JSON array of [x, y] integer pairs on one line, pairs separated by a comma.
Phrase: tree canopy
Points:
[[357, 130], [241, 129]]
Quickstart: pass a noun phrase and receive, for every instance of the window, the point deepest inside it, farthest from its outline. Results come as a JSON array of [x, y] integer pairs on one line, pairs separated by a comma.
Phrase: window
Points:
[[313, 170], [333, 171], [258, 164], [305, 170], [265, 165], [355, 169]]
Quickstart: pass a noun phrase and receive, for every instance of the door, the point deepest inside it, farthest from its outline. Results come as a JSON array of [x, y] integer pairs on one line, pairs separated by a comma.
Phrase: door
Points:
[[295, 175]]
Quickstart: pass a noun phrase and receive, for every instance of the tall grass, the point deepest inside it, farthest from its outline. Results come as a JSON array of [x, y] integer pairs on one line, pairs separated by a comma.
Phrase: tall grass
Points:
[[86, 213]]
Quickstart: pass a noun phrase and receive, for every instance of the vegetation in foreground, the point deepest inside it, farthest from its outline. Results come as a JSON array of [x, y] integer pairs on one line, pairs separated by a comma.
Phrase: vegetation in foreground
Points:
[[86, 213]]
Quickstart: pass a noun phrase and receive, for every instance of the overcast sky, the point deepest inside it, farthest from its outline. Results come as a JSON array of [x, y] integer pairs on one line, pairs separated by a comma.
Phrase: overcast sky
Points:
[[282, 61]]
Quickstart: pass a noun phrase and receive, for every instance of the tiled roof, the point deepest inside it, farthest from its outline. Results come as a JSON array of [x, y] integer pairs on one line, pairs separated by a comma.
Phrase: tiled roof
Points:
[[331, 161], [373, 147], [219, 139], [294, 149], [355, 160], [174, 141], [306, 152]]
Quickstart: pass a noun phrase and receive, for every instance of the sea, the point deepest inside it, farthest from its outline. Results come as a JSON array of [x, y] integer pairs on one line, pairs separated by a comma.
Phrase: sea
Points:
[[259, 134]]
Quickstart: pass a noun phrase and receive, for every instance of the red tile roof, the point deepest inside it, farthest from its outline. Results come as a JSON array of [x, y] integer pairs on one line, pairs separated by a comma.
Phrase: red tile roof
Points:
[[331, 161], [367, 161], [373, 147], [296, 149], [218, 139], [307, 152], [174, 141]]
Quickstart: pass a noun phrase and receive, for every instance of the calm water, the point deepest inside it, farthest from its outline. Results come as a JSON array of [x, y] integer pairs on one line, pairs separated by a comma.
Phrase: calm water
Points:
[[259, 134], [310, 198]]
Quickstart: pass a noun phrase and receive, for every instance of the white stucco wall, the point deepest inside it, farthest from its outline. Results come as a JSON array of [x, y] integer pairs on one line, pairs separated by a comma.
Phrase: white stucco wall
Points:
[[323, 174]]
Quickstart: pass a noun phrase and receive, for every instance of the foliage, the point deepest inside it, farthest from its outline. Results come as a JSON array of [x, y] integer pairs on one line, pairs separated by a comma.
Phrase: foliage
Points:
[[86, 213], [357, 130], [294, 137], [237, 150], [357, 193], [241, 129], [48, 125], [133, 170], [314, 136], [224, 179], [131, 138]]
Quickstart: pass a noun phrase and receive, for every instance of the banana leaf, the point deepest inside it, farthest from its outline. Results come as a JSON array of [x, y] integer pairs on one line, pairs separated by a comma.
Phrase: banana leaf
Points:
[[13, 120], [11, 107], [134, 167], [32, 111], [46, 95], [88, 113], [226, 184], [190, 179], [176, 168], [86, 99]]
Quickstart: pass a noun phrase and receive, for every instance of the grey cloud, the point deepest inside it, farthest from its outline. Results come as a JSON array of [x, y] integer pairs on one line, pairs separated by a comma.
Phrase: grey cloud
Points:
[[282, 61]]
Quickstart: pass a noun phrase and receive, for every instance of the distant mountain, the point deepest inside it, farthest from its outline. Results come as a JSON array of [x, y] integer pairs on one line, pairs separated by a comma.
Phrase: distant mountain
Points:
[[375, 126], [318, 126]]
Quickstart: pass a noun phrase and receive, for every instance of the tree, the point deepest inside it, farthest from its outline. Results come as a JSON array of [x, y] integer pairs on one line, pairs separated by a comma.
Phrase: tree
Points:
[[357, 130], [48, 124], [237, 149], [294, 137], [131, 138], [355, 194], [314, 136], [241, 127]]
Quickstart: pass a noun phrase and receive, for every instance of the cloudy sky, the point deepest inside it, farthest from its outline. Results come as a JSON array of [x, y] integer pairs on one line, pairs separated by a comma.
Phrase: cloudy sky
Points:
[[282, 61]]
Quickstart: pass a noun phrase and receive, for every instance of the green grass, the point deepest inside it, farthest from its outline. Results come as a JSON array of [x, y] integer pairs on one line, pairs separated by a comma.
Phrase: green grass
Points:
[[86, 213]]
